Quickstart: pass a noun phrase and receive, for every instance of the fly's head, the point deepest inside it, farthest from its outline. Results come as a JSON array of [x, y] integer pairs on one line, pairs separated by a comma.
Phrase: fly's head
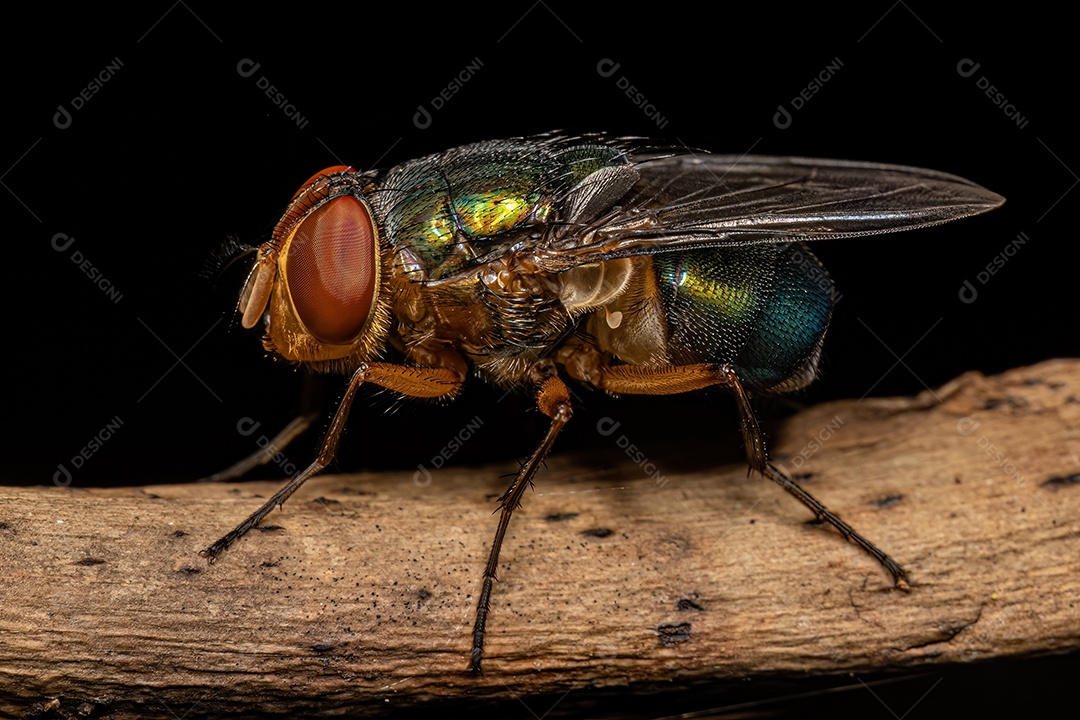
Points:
[[320, 282]]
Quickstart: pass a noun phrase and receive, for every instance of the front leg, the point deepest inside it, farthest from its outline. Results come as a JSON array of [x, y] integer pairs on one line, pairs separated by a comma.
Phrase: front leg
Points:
[[428, 382]]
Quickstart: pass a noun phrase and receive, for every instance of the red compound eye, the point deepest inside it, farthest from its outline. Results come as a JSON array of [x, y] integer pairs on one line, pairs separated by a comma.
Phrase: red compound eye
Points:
[[331, 270]]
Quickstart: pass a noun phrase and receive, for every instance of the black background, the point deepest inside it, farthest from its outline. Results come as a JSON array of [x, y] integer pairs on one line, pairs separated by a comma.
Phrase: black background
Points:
[[179, 150]]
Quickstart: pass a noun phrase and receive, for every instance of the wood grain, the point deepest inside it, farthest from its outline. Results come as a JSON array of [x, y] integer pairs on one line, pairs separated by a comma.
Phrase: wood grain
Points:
[[360, 593]]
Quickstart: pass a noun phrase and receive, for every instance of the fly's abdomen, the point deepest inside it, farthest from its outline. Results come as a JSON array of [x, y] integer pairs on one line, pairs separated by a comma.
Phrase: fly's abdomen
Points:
[[762, 308]]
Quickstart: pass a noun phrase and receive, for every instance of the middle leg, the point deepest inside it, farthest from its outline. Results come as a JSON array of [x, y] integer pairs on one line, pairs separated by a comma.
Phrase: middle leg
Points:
[[553, 399]]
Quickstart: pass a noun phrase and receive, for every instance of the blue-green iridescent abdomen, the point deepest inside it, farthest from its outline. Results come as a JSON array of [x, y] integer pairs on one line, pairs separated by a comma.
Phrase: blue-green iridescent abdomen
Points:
[[762, 308]]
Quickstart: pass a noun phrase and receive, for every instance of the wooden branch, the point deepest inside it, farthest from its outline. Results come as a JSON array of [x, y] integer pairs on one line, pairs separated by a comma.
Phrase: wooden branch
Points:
[[360, 594]]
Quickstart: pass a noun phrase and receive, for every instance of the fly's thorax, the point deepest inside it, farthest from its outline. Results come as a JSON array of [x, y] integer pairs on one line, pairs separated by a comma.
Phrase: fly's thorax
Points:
[[502, 319], [457, 222], [442, 212], [521, 304], [321, 282], [451, 209]]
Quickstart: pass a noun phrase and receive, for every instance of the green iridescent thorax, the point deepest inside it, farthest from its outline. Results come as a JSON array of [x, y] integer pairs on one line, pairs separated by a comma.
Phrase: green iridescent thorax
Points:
[[448, 209], [763, 308]]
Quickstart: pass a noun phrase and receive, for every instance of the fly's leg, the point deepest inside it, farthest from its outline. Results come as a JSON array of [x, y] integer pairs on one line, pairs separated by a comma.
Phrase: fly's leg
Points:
[[426, 382], [553, 399], [631, 379], [755, 445]]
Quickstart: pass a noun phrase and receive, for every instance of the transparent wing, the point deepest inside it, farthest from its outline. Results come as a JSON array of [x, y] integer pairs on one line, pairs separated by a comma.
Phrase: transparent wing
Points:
[[683, 202], [690, 201]]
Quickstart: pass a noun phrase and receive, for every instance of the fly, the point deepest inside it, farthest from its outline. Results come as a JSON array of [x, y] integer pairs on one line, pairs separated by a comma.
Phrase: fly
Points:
[[530, 261]]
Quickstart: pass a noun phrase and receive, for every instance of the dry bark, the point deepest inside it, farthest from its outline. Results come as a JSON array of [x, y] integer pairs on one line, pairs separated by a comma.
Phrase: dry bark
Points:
[[360, 594]]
